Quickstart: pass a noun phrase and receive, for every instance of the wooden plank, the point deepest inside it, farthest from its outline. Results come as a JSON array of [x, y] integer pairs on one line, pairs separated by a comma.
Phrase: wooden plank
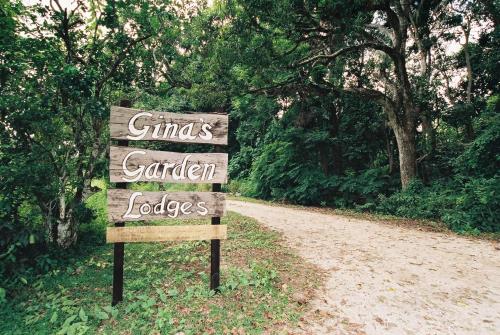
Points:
[[166, 233], [128, 205], [137, 124], [134, 164]]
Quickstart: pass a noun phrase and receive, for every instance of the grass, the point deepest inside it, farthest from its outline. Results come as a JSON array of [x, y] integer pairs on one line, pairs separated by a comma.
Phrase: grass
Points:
[[166, 286]]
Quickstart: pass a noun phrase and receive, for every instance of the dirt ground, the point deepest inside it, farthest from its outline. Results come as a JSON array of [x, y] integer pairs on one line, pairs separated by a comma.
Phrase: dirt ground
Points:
[[386, 279]]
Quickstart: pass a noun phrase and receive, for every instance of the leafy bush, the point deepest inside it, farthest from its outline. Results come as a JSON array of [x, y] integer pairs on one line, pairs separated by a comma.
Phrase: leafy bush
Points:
[[22, 232], [469, 208], [241, 162], [240, 187], [418, 201], [476, 207], [362, 189], [281, 172], [481, 158]]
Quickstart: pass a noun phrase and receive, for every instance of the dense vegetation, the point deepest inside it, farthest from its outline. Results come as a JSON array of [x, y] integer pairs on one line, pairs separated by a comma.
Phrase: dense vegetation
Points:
[[166, 286], [362, 86], [383, 106]]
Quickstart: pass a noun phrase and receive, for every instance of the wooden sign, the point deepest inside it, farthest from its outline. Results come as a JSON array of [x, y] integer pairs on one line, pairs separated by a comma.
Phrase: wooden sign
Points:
[[128, 205], [166, 233], [134, 164], [139, 125], [128, 164]]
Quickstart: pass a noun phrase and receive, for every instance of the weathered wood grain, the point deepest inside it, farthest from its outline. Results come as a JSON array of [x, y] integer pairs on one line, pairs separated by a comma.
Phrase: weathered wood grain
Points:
[[164, 166], [125, 205], [152, 126], [166, 233]]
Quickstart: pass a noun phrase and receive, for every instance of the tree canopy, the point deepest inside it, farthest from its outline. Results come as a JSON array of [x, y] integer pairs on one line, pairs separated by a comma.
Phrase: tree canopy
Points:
[[385, 106]]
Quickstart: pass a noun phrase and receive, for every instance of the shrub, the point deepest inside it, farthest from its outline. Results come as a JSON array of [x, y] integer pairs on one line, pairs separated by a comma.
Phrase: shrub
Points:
[[418, 201], [362, 189], [281, 173], [481, 158], [467, 208], [476, 207]]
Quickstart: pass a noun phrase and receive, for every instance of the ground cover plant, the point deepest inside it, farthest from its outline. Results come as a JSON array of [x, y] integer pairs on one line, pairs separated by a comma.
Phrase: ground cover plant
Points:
[[166, 286]]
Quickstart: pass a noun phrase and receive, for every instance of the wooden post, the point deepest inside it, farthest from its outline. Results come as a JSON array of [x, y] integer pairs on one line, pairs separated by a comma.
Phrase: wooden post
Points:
[[119, 248], [215, 246]]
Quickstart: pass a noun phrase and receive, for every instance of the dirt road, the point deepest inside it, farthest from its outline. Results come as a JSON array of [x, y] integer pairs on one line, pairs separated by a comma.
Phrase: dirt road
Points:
[[384, 279]]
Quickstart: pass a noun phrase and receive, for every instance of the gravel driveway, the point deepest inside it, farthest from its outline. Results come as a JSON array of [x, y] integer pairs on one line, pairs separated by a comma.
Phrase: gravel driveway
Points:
[[385, 279]]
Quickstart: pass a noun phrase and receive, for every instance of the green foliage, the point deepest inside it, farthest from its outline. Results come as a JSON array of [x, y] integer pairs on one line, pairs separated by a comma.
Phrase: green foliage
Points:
[[241, 163], [166, 286], [482, 156], [307, 130], [469, 208], [302, 138], [20, 241], [418, 201], [362, 189], [476, 207], [281, 172]]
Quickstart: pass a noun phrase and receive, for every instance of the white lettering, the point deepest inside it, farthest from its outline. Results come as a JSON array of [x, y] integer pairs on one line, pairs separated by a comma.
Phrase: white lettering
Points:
[[159, 208], [137, 173], [205, 171], [145, 209], [156, 130], [153, 175], [182, 167], [172, 128], [173, 212], [171, 207], [185, 208], [192, 169], [202, 210], [162, 170], [131, 206], [139, 133], [166, 166], [185, 132], [207, 134]]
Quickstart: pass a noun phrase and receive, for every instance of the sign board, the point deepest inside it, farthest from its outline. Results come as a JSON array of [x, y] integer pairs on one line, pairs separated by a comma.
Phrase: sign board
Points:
[[136, 124], [166, 233], [127, 205], [128, 164], [134, 164]]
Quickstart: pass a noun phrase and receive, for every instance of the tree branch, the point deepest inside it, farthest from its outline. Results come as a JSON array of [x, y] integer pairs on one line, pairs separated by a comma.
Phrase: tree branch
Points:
[[371, 94], [119, 59], [376, 46]]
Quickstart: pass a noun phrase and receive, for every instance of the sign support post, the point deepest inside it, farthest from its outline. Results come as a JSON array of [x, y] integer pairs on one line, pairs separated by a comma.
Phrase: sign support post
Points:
[[215, 246], [119, 248], [118, 255]]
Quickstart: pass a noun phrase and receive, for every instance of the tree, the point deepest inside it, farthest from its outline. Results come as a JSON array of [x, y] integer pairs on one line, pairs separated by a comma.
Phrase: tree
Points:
[[70, 64], [385, 47]]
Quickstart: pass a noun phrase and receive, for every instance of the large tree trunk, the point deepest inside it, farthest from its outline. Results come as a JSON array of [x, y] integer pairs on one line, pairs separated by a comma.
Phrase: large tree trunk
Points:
[[66, 230], [405, 138], [50, 222], [389, 148]]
